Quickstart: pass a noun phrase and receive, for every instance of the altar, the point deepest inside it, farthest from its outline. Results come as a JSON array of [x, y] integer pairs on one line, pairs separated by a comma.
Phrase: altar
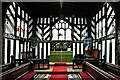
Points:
[[61, 56]]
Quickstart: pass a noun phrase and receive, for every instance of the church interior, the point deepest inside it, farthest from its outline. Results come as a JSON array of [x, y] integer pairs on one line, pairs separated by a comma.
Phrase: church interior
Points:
[[60, 41]]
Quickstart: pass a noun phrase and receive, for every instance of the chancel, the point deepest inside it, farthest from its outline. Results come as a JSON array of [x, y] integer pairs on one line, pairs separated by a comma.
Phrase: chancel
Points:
[[60, 40]]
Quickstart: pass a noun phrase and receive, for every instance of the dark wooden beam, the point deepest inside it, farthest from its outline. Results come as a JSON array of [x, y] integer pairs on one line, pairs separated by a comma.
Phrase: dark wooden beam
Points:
[[84, 27], [47, 31], [105, 56], [11, 13], [93, 32], [110, 14], [20, 35], [14, 50]]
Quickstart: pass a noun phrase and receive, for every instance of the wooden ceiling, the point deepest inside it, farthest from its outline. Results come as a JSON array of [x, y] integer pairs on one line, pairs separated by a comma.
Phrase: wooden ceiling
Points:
[[78, 9]]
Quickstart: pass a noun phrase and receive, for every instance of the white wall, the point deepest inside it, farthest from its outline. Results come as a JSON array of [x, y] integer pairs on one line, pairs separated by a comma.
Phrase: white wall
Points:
[[113, 51], [5, 59], [73, 49], [40, 50], [103, 49], [78, 49], [82, 48], [45, 50], [108, 50], [48, 48]]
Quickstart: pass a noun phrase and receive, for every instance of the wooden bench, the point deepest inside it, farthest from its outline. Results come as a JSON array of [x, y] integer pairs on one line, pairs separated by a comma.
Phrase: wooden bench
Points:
[[111, 69], [16, 72], [95, 73], [6, 67], [77, 61], [41, 61], [35, 62]]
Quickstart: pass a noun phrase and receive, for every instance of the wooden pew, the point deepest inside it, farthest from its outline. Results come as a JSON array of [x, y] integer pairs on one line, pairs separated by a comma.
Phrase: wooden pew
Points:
[[6, 67], [78, 61], [96, 73], [111, 69], [35, 61], [93, 58], [21, 61], [17, 72], [41, 61]]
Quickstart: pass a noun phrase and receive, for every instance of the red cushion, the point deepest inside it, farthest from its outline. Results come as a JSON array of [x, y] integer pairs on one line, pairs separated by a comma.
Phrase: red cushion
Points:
[[28, 76], [85, 76]]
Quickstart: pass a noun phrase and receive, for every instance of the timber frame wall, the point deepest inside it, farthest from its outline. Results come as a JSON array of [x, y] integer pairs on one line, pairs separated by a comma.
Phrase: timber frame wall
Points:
[[42, 28]]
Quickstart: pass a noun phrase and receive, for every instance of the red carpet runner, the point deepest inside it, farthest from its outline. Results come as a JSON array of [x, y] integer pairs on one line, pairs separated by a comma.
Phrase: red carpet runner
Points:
[[59, 67], [28, 76], [85, 76]]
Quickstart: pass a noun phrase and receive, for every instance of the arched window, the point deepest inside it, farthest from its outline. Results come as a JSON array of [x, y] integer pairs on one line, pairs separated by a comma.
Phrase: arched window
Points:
[[68, 36], [61, 31], [55, 34], [61, 34]]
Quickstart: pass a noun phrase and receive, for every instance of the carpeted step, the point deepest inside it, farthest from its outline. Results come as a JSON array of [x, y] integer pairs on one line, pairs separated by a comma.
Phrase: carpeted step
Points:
[[59, 67], [60, 64], [59, 77]]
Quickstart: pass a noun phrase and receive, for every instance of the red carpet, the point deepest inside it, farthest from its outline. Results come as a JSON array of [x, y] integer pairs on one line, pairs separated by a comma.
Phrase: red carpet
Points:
[[85, 76], [28, 76], [58, 69]]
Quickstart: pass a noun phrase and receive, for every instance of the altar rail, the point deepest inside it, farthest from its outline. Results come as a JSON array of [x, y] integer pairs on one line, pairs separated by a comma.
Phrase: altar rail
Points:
[[97, 73]]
